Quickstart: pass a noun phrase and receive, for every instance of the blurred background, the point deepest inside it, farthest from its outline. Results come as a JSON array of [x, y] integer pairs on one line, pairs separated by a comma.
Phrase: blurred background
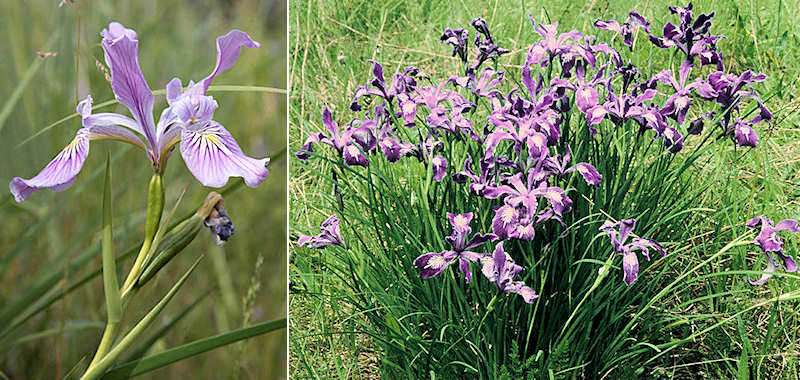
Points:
[[51, 58]]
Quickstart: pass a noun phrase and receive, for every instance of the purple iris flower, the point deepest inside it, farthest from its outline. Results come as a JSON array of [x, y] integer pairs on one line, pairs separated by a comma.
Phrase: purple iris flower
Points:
[[501, 269], [346, 143], [517, 216], [769, 242], [589, 173], [402, 83], [678, 103], [551, 45], [628, 29], [208, 149], [691, 36], [457, 38], [618, 233], [329, 235], [586, 96], [480, 183], [434, 263], [393, 149], [744, 134], [485, 43], [559, 166]]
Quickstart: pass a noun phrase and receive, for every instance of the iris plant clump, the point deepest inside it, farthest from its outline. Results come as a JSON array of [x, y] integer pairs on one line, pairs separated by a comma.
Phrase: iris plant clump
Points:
[[593, 79], [210, 152], [517, 156]]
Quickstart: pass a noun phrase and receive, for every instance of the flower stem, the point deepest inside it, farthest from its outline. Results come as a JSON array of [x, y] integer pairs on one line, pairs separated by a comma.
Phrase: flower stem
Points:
[[155, 206], [110, 282]]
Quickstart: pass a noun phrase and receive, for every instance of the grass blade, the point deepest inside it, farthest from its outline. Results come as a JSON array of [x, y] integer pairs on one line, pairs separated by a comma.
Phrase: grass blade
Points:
[[161, 359], [97, 370], [110, 281]]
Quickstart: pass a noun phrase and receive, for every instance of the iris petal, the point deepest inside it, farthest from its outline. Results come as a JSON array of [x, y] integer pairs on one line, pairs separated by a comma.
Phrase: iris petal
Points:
[[229, 47], [213, 156], [121, 49]]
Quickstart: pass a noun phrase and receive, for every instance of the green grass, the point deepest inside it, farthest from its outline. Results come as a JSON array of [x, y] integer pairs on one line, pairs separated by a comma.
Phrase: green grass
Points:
[[734, 329], [43, 235]]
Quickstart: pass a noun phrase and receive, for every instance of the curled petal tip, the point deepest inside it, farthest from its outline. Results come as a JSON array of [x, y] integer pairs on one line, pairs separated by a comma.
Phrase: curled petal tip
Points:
[[116, 31]]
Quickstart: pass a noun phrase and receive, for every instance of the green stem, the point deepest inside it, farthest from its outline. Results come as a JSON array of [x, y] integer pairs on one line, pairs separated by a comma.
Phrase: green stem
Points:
[[155, 206], [99, 368], [110, 282]]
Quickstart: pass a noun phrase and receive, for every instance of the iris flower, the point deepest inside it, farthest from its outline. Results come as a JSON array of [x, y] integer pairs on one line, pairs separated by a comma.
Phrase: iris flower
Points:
[[501, 269], [330, 234], [433, 263], [207, 148], [618, 233], [627, 29], [769, 242]]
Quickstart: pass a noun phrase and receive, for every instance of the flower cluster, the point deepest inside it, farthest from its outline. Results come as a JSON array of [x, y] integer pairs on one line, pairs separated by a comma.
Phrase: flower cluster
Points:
[[208, 149], [516, 156], [693, 39], [769, 242]]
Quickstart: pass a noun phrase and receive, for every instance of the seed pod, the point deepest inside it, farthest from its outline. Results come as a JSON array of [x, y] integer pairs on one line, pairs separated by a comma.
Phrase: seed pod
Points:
[[211, 214], [218, 220]]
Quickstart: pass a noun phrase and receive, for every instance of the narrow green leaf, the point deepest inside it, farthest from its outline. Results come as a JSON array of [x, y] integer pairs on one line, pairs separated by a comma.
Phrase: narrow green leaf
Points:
[[110, 281], [8, 107], [107, 361], [161, 359], [142, 349], [69, 326]]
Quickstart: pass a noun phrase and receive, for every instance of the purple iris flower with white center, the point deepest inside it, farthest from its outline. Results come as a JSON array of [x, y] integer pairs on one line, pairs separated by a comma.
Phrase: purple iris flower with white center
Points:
[[551, 45], [586, 96], [208, 149], [589, 173], [517, 217], [744, 134], [434, 263], [618, 233], [626, 106], [501, 269], [769, 242], [330, 235]]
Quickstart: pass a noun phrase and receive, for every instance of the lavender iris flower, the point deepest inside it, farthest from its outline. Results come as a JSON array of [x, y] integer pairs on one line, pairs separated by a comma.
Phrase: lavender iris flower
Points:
[[618, 233], [628, 29], [457, 38], [501, 269], [346, 143], [678, 103], [434, 263], [330, 235], [208, 149], [517, 217], [769, 242]]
